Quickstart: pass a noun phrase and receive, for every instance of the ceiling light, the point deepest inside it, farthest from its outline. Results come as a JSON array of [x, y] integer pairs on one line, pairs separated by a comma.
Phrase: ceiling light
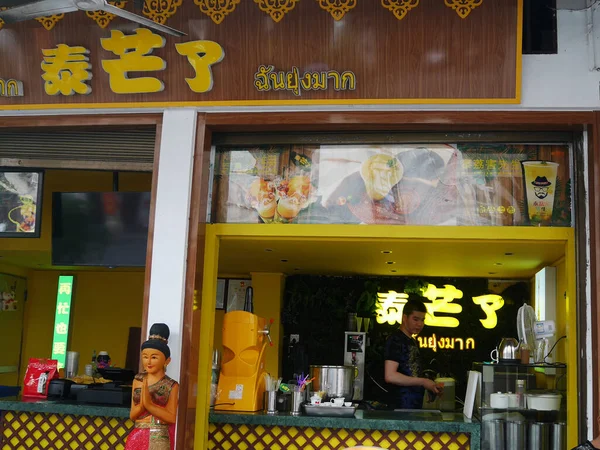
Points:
[[492, 273], [386, 252], [393, 271], [498, 264], [391, 262], [268, 249], [296, 269], [284, 260], [508, 254]]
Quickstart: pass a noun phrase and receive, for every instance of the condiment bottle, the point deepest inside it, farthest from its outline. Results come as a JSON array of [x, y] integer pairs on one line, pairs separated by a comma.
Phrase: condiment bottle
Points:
[[524, 353], [520, 393]]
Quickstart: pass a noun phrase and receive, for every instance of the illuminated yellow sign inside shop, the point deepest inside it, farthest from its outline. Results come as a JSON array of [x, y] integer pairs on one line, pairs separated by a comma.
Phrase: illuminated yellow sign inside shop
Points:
[[390, 307], [490, 304], [391, 304], [433, 342], [67, 69], [441, 302]]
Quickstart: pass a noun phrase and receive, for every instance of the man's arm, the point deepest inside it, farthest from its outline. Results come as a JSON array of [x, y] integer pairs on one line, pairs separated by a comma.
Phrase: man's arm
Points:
[[392, 376]]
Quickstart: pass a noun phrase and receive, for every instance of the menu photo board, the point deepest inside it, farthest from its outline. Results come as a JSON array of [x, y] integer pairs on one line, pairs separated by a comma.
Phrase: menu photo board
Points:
[[20, 202], [430, 184]]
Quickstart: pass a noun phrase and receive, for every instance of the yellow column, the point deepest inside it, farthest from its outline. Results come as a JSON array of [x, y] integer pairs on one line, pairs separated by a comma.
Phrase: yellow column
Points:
[[268, 300]]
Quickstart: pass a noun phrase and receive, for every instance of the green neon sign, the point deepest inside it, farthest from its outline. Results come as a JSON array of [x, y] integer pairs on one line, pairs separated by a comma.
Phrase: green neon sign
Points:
[[62, 318]]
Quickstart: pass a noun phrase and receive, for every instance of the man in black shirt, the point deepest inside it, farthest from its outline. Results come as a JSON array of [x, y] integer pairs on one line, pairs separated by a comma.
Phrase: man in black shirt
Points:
[[403, 368]]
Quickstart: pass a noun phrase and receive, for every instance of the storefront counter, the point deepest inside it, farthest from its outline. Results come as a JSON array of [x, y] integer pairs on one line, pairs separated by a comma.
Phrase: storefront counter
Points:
[[386, 429], [57, 424]]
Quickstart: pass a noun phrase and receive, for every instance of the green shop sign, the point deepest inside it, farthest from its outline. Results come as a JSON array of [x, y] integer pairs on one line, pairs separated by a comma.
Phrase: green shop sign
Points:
[[62, 317]]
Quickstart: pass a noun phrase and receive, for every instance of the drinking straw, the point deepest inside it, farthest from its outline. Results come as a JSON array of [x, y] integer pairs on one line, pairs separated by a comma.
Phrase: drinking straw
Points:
[[306, 383], [269, 383]]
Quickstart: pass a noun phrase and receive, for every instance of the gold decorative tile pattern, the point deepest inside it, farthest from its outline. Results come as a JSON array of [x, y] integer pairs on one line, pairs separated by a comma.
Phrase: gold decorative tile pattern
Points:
[[337, 8], [400, 8], [160, 10], [103, 18], [217, 10], [463, 7], [50, 22], [24, 430], [257, 437], [2, 8], [276, 8]]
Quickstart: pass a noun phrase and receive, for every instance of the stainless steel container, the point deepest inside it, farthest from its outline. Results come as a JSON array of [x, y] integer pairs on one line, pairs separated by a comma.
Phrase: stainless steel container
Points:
[[516, 432], [297, 400], [493, 434], [271, 402], [538, 436], [559, 436], [337, 381]]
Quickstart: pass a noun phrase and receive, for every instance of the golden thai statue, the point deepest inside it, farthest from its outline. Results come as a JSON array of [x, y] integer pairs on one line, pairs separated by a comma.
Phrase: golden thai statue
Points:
[[155, 396]]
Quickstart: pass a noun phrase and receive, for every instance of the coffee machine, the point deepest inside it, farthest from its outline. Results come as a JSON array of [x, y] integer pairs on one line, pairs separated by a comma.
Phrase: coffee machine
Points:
[[241, 381], [355, 346]]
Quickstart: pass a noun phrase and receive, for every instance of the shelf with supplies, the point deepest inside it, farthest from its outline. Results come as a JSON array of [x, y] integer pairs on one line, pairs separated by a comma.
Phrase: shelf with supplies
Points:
[[521, 404]]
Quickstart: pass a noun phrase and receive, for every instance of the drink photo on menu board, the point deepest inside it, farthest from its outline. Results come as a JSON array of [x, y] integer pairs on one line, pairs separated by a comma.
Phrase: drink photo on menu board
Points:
[[20, 202], [428, 184]]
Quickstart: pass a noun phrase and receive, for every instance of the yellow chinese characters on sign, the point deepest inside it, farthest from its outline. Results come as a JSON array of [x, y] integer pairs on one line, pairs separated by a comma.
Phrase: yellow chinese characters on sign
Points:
[[441, 301], [133, 51], [390, 306], [66, 70], [490, 304], [201, 55]]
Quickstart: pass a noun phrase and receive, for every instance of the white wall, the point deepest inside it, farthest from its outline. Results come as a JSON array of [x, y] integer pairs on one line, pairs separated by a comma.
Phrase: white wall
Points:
[[171, 226], [563, 80]]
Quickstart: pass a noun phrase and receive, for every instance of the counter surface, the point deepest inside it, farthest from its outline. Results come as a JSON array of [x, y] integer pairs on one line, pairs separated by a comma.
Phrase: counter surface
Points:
[[64, 407], [366, 420]]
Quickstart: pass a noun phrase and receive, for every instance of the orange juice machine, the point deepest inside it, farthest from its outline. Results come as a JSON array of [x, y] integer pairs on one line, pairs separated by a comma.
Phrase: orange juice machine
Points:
[[241, 381]]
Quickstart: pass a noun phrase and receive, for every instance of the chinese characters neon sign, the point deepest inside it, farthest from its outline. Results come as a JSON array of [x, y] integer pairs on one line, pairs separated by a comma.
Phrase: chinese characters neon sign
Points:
[[437, 300], [62, 319], [67, 70]]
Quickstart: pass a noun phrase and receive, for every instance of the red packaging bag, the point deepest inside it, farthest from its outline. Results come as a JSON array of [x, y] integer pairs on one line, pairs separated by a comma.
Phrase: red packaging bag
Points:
[[38, 375]]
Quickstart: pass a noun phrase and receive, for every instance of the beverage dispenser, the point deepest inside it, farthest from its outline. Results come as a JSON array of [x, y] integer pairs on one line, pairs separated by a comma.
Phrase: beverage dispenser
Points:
[[241, 381], [354, 355]]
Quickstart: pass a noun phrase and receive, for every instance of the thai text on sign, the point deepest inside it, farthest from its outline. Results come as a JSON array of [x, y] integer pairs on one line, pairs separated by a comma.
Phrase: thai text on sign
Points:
[[449, 343], [11, 88], [267, 79]]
